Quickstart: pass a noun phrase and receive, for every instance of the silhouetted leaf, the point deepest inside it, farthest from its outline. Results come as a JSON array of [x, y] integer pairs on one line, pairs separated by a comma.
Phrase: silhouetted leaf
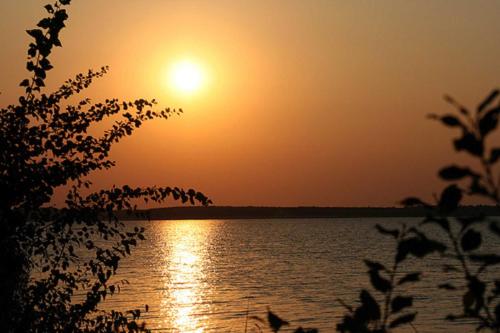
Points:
[[468, 300], [418, 246], [374, 265], [487, 259], [476, 287], [400, 302], [36, 33], [275, 322], [412, 201], [454, 172], [477, 187], [487, 101], [463, 110], [489, 121], [450, 198], [495, 155], [306, 330], [402, 320], [469, 143], [430, 246], [410, 277], [370, 305], [495, 228], [391, 232], [45, 64], [49, 9], [448, 120], [45, 23], [404, 249], [471, 240], [378, 282], [447, 286]]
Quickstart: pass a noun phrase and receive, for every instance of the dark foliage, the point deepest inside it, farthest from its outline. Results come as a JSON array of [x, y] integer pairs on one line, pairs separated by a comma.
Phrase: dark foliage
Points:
[[44, 144], [394, 308], [275, 323], [388, 308], [480, 295]]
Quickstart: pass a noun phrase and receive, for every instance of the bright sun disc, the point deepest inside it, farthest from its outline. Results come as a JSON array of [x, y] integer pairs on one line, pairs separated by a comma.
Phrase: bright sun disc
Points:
[[186, 77]]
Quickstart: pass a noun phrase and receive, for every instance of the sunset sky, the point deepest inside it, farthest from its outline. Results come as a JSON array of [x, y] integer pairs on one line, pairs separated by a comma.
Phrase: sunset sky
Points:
[[293, 102]]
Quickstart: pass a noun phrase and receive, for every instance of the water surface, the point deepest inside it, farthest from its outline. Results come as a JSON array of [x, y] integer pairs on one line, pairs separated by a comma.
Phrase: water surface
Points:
[[204, 275]]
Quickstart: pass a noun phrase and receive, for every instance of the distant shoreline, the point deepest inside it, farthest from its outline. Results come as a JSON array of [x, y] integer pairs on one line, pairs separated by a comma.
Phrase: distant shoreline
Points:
[[252, 212]]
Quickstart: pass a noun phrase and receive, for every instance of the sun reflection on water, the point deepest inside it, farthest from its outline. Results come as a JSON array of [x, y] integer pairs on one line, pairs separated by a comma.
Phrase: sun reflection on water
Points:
[[183, 304]]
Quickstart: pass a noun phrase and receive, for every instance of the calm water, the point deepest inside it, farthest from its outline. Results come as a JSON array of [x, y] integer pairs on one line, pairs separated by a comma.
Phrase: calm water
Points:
[[203, 275]]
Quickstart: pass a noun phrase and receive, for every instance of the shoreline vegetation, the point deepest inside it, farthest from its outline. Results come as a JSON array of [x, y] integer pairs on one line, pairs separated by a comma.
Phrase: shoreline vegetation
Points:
[[253, 212]]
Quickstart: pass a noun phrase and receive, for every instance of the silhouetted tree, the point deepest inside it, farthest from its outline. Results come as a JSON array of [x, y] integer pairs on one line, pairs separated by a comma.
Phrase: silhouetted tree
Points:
[[44, 144], [463, 251]]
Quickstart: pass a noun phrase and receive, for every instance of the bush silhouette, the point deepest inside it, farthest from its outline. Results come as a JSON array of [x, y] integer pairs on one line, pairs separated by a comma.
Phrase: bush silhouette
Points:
[[480, 300], [45, 144], [388, 307]]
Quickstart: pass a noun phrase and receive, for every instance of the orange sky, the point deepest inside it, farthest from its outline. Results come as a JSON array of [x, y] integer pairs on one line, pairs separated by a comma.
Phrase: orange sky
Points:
[[305, 103]]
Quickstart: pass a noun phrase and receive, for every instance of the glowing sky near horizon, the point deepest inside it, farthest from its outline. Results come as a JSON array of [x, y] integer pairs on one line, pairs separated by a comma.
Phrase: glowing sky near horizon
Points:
[[308, 103]]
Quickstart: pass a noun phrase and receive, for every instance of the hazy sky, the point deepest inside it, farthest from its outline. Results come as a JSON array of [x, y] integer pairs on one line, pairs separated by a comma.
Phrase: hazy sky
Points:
[[303, 102]]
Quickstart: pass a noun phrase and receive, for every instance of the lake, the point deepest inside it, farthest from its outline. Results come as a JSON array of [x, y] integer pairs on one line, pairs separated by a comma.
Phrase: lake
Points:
[[204, 275]]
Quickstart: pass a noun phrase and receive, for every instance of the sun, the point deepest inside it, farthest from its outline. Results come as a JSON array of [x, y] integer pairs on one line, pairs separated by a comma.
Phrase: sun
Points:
[[186, 77]]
